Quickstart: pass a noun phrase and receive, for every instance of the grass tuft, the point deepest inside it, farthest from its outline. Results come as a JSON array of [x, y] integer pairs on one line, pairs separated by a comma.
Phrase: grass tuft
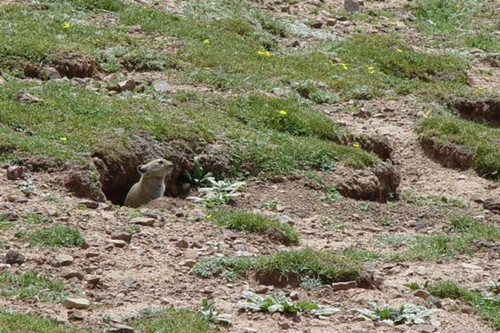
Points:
[[11, 322], [487, 307], [55, 236], [248, 222], [174, 321], [29, 285]]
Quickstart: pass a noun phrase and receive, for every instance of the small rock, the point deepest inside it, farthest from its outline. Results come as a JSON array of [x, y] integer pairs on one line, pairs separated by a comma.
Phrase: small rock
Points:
[[294, 295], [330, 22], [48, 73], [17, 199], [435, 301], [128, 281], [76, 303], [261, 289], [8, 216], [14, 257], [62, 260], [89, 204], [15, 172], [239, 247], [492, 205], [126, 237], [119, 328], [471, 267], [354, 6], [285, 326], [2, 80], [117, 242], [421, 293], [188, 262], [92, 254], [162, 86], [25, 98], [76, 315], [182, 244], [72, 274], [92, 279], [126, 85], [294, 43], [228, 234], [363, 114], [250, 330], [144, 221], [276, 316], [317, 24], [344, 285], [425, 328], [462, 177], [435, 322]]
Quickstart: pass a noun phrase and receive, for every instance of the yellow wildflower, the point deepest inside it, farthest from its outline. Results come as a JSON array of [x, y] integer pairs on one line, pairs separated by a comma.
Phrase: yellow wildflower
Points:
[[206, 41], [344, 66], [427, 112], [209, 216], [355, 145], [457, 6], [264, 53], [392, 22], [399, 50], [282, 112], [66, 25], [371, 69], [63, 138]]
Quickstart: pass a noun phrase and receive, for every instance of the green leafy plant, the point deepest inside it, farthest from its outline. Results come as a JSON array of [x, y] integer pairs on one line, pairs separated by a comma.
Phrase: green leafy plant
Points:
[[197, 177], [220, 192], [332, 194], [406, 314], [209, 313], [280, 303], [269, 205]]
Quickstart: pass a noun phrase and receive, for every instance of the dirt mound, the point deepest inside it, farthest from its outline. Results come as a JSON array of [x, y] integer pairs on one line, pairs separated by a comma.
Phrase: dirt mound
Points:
[[448, 154], [486, 110], [377, 183], [65, 64]]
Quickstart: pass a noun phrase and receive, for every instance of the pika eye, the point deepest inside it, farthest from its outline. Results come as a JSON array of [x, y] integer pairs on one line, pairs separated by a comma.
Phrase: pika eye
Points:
[[161, 162]]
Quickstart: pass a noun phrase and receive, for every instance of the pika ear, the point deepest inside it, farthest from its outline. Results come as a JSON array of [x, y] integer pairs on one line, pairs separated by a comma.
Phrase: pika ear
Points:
[[141, 169]]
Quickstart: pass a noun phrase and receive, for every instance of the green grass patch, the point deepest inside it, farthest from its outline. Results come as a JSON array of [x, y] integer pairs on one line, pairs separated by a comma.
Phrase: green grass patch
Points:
[[37, 34], [326, 266], [71, 123], [174, 321], [249, 222], [30, 284], [483, 140], [463, 233], [55, 236], [450, 15], [487, 307], [11, 322]]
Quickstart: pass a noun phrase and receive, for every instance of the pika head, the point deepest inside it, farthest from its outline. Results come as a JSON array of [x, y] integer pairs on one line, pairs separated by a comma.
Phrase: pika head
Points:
[[152, 183], [158, 168]]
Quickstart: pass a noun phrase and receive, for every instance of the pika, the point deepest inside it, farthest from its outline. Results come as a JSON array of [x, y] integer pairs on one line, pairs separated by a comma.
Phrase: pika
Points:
[[152, 183]]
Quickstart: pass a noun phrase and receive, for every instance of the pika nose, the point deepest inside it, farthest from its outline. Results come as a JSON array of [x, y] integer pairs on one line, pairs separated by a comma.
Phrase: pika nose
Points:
[[141, 169]]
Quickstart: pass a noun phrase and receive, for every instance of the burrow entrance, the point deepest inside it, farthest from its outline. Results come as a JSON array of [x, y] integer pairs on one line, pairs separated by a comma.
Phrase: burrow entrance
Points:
[[117, 169]]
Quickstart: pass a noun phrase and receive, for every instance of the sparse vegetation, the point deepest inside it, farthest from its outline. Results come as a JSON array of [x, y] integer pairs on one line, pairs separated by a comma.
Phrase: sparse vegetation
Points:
[[487, 307], [465, 238], [406, 314], [280, 303], [248, 222], [12, 322], [327, 266], [174, 320], [29, 285], [482, 140], [55, 236]]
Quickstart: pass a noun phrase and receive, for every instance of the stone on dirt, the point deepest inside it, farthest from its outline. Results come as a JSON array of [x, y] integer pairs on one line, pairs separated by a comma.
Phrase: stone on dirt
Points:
[[144, 221], [76, 303], [62, 260], [15, 172], [14, 257], [25, 98], [354, 6]]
